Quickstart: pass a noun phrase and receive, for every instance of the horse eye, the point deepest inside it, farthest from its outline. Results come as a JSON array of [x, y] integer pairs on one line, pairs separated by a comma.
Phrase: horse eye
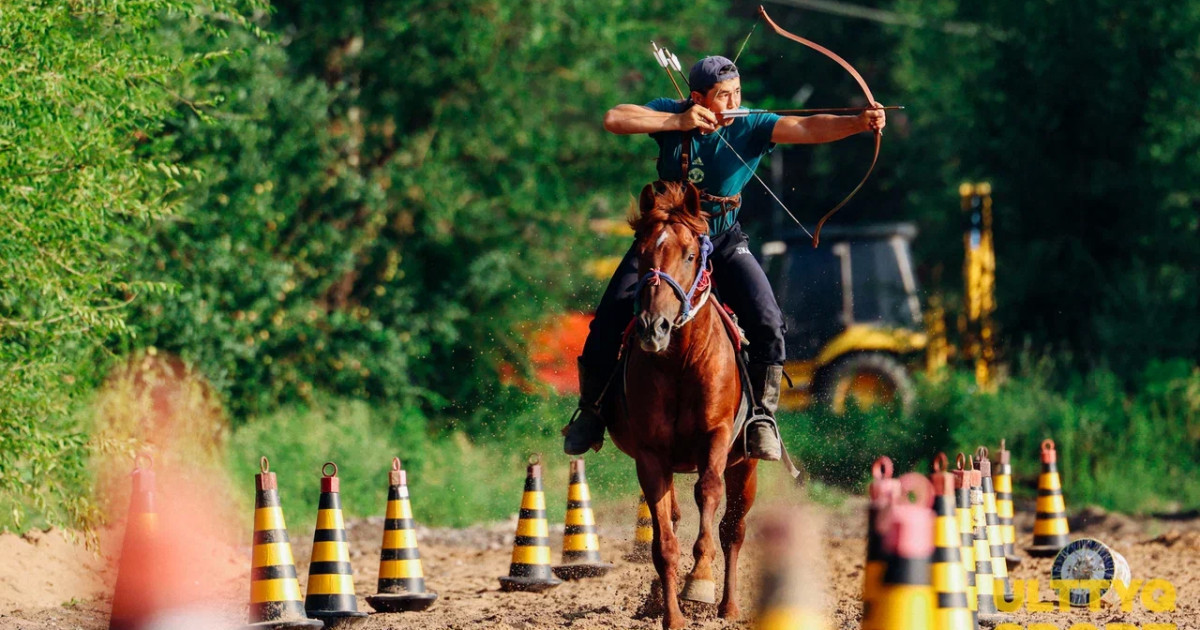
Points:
[[691, 256]]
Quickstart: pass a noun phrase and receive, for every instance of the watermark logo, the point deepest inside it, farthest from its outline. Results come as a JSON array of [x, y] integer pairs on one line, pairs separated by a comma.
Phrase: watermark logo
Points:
[[1154, 596]]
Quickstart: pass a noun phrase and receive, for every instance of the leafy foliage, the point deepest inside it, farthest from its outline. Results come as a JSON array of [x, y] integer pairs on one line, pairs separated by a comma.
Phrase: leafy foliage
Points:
[[83, 88]]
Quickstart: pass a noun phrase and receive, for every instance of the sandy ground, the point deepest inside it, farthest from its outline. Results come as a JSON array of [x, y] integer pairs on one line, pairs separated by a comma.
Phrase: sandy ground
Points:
[[48, 582]]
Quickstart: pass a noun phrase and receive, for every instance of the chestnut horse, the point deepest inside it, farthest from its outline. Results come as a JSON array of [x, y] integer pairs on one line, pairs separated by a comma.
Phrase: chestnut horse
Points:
[[682, 391]]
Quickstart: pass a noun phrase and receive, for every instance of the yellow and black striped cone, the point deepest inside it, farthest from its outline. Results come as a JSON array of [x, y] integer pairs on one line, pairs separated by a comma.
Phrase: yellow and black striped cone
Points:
[[992, 526], [581, 544], [129, 610], [330, 595], [1002, 480], [1050, 529], [793, 563], [643, 536], [985, 582], [275, 600], [966, 533], [906, 600], [882, 492], [401, 579], [530, 568], [952, 609]]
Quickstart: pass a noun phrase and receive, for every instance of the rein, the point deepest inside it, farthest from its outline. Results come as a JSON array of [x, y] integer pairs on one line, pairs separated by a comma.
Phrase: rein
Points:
[[702, 283]]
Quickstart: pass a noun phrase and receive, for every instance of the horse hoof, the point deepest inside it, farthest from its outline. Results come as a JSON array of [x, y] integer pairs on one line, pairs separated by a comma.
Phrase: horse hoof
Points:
[[703, 591]]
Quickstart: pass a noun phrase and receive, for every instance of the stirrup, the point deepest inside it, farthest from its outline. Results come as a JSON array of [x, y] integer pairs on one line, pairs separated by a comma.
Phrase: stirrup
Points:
[[575, 448], [769, 452]]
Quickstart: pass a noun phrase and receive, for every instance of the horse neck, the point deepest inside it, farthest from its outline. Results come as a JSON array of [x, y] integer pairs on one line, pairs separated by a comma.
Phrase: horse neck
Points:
[[705, 328]]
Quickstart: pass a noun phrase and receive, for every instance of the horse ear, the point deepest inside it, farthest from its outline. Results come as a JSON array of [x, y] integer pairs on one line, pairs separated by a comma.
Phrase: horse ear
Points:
[[646, 201], [691, 197]]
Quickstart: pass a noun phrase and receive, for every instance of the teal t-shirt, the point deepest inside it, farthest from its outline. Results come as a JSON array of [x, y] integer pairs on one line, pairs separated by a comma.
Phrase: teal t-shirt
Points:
[[714, 168]]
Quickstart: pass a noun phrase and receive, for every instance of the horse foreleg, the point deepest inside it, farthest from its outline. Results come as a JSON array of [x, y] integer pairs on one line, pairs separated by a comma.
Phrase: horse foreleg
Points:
[[700, 586], [741, 485], [676, 513], [658, 487]]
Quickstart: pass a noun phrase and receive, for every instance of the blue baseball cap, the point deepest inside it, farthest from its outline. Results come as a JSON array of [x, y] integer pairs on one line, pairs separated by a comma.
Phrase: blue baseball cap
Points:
[[710, 71]]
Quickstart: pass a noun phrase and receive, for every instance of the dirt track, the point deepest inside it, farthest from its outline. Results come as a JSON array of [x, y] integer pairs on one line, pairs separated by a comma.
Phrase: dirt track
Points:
[[462, 566]]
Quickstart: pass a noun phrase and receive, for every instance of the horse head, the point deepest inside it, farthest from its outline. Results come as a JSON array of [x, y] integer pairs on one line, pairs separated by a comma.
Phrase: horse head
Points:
[[673, 249]]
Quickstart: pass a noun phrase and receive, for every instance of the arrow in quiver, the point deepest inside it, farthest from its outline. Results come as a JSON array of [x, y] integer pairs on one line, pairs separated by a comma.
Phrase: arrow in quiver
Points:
[[992, 526], [643, 536], [985, 583], [581, 544], [1050, 529], [966, 532], [330, 595], [905, 600], [401, 579], [793, 566], [882, 492], [275, 600], [1002, 479], [530, 568], [952, 609], [129, 608]]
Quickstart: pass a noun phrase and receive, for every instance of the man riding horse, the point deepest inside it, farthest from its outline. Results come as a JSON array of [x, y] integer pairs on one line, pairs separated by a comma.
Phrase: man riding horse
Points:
[[718, 154]]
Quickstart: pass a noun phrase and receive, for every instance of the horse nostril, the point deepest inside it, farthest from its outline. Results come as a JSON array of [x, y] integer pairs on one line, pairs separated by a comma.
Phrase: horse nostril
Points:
[[663, 326], [643, 323]]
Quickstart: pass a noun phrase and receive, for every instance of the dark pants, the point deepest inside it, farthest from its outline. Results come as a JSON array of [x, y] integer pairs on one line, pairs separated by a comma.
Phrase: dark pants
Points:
[[740, 281]]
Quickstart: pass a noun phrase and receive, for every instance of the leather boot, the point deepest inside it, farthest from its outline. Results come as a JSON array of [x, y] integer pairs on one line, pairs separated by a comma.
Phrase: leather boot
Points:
[[586, 428], [762, 434]]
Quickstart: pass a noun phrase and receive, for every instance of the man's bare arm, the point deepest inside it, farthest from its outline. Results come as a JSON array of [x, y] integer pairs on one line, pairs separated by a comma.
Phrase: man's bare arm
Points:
[[825, 128], [630, 119]]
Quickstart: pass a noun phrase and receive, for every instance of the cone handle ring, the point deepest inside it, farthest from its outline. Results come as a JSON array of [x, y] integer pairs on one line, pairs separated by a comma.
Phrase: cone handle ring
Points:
[[535, 459], [1047, 445], [264, 465], [1002, 449], [982, 452], [395, 463], [959, 461], [918, 487], [940, 462], [327, 465], [882, 468], [139, 458]]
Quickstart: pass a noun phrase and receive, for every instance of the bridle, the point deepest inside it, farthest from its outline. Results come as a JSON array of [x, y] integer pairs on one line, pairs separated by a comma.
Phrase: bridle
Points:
[[703, 284]]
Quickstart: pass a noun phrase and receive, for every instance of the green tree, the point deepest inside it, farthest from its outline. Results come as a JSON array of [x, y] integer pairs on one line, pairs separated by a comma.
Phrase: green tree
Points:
[[84, 87], [1077, 113]]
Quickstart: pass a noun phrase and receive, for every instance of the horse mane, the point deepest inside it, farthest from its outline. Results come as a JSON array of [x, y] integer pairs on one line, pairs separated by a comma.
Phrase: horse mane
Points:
[[668, 202]]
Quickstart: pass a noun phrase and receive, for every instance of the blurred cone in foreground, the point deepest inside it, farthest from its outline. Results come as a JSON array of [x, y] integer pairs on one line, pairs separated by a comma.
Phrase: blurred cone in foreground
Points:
[[530, 568], [129, 608], [883, 491], [643, 536], [1050, 529], [793, 569], [952, 609], [401, 579], [962, 507], [905, 600], [275, 600], [330, 595], [1002, 480], [581, 545]]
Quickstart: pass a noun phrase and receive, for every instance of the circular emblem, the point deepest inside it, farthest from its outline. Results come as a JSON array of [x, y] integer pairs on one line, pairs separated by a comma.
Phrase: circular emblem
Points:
[[696, 175], [1090, 559]]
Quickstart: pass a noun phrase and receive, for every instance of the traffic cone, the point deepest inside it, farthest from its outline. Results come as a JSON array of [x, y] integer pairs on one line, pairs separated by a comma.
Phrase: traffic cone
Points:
[[793, 562], [1002, 480], [530, 568], [992, 526], [1050, 529], [141, 528], [275, 600], [581, 545], [882, 492], [985, 583], [962, 503], [905, 600], [330, 595], [643, 536], [952, 610], [401, 580]]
